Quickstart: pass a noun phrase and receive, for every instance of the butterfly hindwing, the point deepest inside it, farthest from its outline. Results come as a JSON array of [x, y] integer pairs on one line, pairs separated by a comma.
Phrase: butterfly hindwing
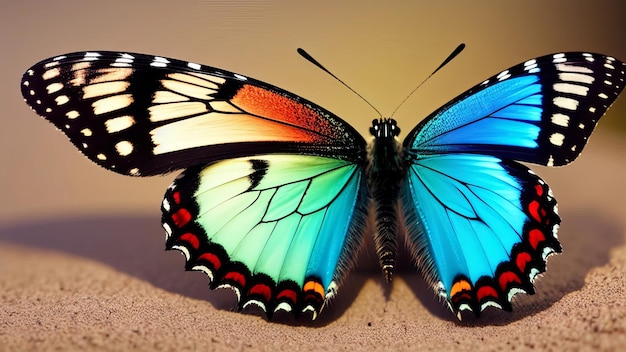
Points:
[[481, 225], [281, 230], [142, 115]]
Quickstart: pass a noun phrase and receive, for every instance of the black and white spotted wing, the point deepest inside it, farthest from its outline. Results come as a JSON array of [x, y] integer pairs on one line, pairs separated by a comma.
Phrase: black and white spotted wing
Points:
[[143, 115]]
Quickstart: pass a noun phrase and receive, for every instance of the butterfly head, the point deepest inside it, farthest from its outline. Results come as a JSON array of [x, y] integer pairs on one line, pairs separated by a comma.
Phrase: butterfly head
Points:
[[384, 128]]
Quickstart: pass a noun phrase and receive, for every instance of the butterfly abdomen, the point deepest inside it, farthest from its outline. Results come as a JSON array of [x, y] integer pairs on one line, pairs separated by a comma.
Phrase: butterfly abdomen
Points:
[[384, 179]]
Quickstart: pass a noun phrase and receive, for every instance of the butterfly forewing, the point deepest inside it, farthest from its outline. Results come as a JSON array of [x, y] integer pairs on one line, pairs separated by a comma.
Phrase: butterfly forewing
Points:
[[143, 115], [541, 111]]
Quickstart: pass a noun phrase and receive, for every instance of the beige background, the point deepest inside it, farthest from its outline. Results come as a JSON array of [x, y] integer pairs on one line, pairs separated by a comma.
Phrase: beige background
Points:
[[81, 260]]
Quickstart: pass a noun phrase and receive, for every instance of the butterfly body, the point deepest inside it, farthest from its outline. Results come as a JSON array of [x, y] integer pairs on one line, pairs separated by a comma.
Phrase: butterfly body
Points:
[[276, 190], [385, 173]]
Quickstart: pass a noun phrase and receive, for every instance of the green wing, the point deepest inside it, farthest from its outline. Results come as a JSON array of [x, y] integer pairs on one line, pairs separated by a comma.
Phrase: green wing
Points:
[[280, 230]]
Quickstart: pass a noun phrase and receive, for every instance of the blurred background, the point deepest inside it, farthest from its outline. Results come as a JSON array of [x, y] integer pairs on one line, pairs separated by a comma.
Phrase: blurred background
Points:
[[381, 48]]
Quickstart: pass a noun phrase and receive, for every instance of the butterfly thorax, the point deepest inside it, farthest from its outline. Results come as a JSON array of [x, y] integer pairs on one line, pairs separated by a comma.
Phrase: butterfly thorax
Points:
[[384, 176]]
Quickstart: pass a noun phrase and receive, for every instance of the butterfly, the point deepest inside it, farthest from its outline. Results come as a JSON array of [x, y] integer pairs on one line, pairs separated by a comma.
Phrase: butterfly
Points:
[[276, 191]]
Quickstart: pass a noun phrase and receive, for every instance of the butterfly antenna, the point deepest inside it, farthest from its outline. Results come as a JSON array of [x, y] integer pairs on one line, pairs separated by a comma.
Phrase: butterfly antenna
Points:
[[310, 58], [452, 55]]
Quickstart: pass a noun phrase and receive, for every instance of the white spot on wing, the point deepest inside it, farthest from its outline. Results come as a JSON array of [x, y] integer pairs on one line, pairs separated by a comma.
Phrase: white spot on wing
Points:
[[120, 123], [565, 103], [560, 119], [571, 88], [72, 114], [105, 88], [124, 148], [503, 75], [573, 68], [159, 62], [91, 56], [194, 66], [54, 87], [51, 73], [61, 99], [117, 102], [557, 139], [576, 77]]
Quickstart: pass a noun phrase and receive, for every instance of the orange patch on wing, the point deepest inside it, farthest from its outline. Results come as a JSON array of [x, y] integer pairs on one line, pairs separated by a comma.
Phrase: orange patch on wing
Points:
[[289, 113], [460, 286], [314, 286]]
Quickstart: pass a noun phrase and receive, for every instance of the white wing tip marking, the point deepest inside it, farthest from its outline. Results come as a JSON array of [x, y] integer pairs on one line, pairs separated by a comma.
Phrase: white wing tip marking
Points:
[[205, 270], [168, 230], [284, 306], [194, 66], [256, 303], [310, 308], [235, 289], [184, 251]]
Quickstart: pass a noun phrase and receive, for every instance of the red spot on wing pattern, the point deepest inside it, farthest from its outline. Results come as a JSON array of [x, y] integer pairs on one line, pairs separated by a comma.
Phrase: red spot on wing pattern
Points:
[[506, 278], [288, 294], [191, 239], [261, 290], [290, 117], [176, 196], [211, 258], [535, 237], [522, 260], [486, 292], [236, 277], [181, 217]]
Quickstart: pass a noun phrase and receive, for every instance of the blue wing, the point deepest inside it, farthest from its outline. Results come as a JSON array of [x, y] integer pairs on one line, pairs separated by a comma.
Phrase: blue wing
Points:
[[280, 230], [482, 225], [542, 111]]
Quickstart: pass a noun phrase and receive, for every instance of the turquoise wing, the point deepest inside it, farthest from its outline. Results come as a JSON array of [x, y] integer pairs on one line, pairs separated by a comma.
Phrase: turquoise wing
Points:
[[280, 230], [481, 227]]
